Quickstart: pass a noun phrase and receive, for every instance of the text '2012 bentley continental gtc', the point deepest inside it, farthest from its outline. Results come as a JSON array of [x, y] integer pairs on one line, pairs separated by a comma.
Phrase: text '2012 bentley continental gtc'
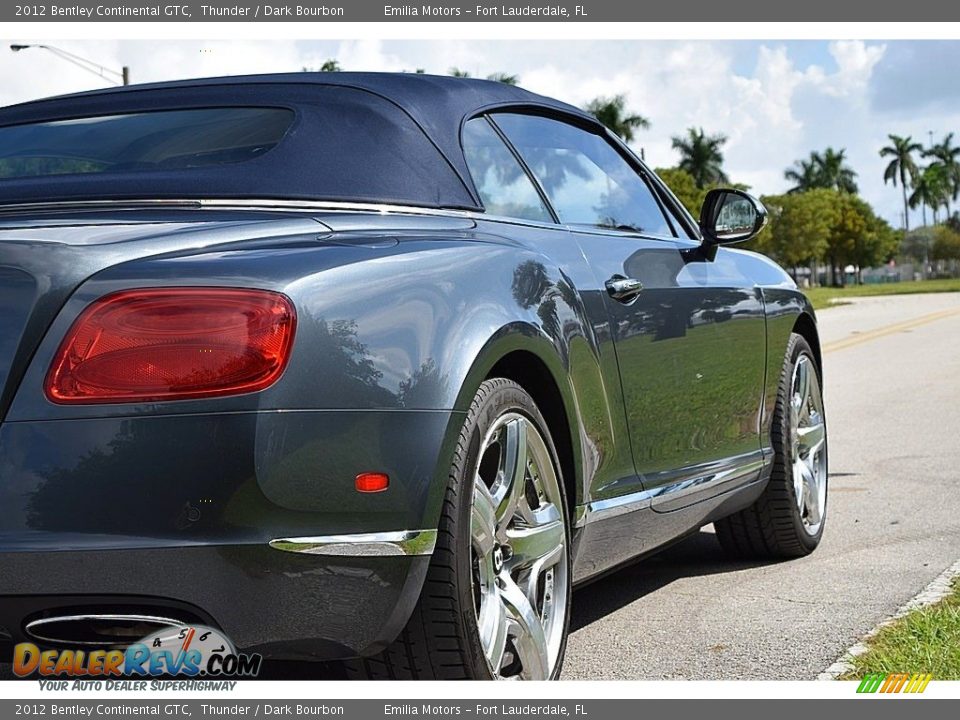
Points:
[[375, 368]]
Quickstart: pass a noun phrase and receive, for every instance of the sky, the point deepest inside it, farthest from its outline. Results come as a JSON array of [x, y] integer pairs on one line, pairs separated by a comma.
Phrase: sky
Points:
[[775, 101]]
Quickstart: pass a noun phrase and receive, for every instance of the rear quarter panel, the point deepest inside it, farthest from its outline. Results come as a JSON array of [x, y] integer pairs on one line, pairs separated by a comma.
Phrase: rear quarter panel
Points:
[[395, 332]]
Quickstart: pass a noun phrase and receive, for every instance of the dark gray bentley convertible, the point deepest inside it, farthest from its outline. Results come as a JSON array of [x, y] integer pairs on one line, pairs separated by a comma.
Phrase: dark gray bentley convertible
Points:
[[375, 368]]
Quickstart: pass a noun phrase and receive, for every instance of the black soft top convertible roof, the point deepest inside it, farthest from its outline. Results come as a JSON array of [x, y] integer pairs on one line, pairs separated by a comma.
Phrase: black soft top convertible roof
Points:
[[356, 137]]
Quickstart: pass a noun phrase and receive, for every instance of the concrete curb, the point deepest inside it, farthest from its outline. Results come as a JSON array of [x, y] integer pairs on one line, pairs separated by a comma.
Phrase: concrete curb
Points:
[[933, 593]]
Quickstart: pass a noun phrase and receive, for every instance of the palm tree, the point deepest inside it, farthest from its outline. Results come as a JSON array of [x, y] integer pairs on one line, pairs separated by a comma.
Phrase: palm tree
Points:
[[505, 78], [947, 155], [901, 166], [331, 65], [929, 190], [827, 170], [804, 174], [700, 155], [920, 196], [834, 172], [612, 112], [457, 72]]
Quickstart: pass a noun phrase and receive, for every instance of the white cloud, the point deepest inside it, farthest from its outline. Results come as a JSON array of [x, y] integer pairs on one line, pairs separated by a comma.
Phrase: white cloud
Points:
[[855, 61]]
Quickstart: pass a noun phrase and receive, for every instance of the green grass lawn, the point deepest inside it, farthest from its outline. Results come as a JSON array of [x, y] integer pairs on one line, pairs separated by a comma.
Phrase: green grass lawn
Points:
[[923, 641], [826, 296]]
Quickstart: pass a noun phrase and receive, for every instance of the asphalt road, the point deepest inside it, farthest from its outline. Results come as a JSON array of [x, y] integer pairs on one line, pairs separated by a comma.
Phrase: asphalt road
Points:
[[892, 385], [892, 392]]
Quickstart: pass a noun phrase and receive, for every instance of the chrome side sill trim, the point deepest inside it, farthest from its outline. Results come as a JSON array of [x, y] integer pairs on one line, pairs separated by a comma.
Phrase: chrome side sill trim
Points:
[[380, 544], [716, 478], [598, 510], [612, 507]]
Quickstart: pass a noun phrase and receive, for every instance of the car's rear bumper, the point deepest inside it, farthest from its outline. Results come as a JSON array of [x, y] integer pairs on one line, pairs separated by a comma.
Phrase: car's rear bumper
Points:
[[280, 604], [247, 521]]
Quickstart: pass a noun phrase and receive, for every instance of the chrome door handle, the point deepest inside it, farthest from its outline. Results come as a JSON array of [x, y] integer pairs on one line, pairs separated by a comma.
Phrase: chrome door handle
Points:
[[623, 289]]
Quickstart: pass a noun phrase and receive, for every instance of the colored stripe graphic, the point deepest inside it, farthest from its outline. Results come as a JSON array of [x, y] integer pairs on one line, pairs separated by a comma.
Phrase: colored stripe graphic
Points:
[[871, 682], [894, 683]]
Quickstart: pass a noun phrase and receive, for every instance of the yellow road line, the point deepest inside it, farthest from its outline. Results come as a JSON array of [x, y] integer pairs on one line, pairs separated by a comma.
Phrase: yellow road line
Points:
[[888, 330]]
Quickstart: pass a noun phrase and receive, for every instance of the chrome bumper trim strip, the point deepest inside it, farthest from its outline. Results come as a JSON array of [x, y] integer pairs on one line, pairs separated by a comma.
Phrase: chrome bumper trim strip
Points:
[[35, 628], [379, 544]]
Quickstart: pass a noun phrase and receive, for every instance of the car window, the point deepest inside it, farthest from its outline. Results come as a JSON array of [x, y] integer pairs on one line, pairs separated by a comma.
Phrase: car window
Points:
[[586, 180], [681, 223], [504, 186], [161, 140]]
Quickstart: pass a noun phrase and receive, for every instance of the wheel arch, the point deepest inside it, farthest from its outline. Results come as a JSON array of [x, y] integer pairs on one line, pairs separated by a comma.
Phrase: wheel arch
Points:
[[806, 327], [521, 352], [529, 372], [788, 311]]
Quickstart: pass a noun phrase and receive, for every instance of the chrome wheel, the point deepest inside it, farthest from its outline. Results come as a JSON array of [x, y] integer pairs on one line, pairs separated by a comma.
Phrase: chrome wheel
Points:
[[519, 552], [808, 444]]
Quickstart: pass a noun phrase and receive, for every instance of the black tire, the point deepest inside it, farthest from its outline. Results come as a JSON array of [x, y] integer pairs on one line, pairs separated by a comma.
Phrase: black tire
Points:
[[441, 640], [772, 526]]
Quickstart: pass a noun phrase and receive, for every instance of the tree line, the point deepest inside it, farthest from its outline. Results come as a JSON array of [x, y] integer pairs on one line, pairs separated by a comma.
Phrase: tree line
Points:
[[822, 222]]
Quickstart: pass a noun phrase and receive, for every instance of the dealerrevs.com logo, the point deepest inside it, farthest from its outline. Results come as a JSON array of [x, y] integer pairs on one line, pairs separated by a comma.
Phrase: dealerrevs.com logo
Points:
[[190, 651]]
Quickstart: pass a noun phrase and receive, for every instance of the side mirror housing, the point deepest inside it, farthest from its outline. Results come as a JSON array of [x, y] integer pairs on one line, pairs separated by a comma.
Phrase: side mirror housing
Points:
[[727, 217]]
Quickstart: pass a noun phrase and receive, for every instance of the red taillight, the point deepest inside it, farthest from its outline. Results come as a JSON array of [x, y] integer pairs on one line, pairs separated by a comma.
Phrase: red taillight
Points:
[[173, 344]]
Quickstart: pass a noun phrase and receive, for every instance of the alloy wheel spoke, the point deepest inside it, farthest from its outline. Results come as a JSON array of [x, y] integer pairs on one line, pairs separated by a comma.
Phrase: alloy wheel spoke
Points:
[[811, 438], [800, 398], [803, 381], [483, 526], [798, 485], [526, 631], [532, 545], [811, 497], [492, 625], [514, 470]]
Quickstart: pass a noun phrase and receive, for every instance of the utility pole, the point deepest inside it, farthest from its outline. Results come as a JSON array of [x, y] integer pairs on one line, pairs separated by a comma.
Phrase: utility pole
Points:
[[123, 75]]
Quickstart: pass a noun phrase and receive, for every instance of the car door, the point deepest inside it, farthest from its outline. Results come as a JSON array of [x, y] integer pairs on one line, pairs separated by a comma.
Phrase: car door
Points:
[[515, 207], [689, 334]]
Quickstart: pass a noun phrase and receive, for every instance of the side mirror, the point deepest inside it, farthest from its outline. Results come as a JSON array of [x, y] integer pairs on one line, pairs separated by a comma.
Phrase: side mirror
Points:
[[727, 217]]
